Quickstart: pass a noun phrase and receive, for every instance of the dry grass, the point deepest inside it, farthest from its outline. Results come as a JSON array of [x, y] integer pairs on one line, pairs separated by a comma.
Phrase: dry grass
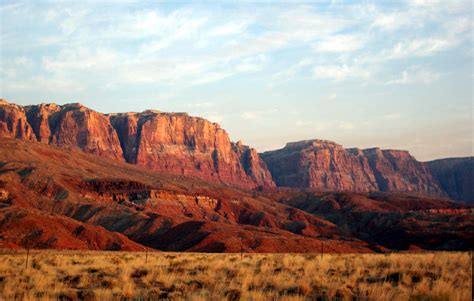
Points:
[[53, 275]]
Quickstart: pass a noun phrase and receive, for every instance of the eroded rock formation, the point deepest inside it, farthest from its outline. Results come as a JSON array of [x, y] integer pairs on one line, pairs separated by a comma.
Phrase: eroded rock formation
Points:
[[167, 142], [326, 165], [456, 176], [77, 126], [182, 144], [13, 122]]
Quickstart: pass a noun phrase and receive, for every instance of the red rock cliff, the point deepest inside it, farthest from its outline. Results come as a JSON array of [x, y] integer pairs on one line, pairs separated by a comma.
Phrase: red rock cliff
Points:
[[191, 146], [326, 165], [13, 122], [77, 126], [167, 142], [456, 176]]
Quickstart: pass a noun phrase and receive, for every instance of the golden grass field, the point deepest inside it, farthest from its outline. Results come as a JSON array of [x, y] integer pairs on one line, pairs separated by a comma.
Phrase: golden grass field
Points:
[[68, 275]]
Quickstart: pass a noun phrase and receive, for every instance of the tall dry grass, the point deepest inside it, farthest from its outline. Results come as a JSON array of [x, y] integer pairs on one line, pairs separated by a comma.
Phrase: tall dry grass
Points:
[[53, 275]]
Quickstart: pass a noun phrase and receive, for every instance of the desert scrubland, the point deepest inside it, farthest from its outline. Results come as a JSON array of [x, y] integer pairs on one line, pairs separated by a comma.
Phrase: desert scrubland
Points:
[[72, 275]]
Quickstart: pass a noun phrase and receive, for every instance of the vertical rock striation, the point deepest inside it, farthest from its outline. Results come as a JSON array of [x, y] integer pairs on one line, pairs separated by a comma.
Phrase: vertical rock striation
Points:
[[75, 125], [13, 122], [181, 144]]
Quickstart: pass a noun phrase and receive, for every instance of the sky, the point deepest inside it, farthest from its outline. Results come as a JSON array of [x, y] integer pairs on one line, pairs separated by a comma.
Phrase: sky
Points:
[[392, 74]]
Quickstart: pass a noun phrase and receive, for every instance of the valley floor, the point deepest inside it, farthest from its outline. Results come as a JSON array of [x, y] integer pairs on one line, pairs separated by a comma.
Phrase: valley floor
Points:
[[74, 275]]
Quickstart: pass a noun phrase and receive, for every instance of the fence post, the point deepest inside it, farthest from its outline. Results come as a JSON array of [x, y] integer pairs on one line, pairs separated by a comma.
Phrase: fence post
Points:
[[241, 249], [27, 255], [322, 249]]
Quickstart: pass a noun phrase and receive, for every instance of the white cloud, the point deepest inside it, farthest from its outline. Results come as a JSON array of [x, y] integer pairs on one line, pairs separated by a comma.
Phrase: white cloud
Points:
[[340, 72], [80, 59], [458, 25], [393, 116], [214, 117], [251, 115], [344, 125], [252, 64], [124, 46], [415, 76], [303, 123], [230, 28], [22, 61], [332, 97], [55, 85], [441, 6], [340, 43], [399, 19], [210, 77], [284, 29], [202, 44], [290, 72], [421, 47], [387, 21], [257, 115], [205, 104]]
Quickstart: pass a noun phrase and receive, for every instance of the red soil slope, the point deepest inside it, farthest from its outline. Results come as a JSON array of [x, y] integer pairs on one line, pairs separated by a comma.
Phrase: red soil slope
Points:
[[162, 211], [66, 188], [30, 228]]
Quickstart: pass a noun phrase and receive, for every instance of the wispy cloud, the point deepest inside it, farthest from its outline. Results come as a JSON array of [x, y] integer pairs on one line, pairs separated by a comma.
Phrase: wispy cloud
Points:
[[393, 116], [340, 43], [214, 117], [344, 125], [415, 76], [257, 115], [421, 47], [340, 72], [89, 38]]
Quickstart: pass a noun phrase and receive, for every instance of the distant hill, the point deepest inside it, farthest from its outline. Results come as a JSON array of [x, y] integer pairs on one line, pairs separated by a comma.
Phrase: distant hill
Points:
[[63, 198], [326, 165], [456, 176]]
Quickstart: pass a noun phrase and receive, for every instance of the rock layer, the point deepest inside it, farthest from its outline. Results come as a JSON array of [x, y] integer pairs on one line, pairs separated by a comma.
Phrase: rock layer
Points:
[[325, 165], [191, 146], [13, 122], [166, 142], [456, 176], [77, 126]]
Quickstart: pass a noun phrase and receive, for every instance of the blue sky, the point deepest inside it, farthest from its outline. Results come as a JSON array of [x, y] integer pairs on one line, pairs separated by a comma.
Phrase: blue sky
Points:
[[394, 74]]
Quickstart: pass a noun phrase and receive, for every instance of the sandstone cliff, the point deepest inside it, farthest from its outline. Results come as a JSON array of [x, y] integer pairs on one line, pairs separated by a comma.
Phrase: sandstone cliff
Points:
[[77, 126], [13, 122], [191, 146], [166, 142], [456, 176], [326, 165]]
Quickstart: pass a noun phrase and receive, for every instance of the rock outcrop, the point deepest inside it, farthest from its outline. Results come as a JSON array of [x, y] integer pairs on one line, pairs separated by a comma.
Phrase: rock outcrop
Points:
[[13, 122], [456, 176], [166, 142], [182, 144], [325, 165], [77, 126]]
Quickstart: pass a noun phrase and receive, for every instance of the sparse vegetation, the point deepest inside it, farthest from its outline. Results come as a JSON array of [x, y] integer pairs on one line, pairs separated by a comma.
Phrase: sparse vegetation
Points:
[[72, 275]]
